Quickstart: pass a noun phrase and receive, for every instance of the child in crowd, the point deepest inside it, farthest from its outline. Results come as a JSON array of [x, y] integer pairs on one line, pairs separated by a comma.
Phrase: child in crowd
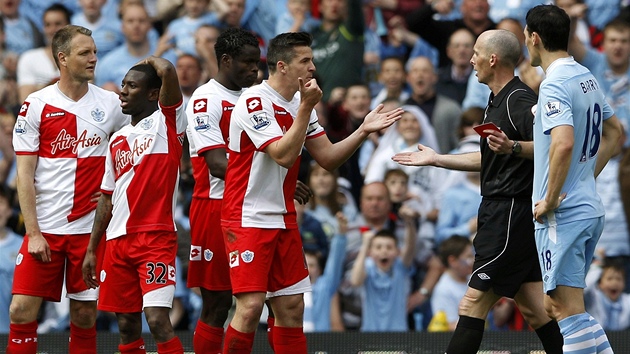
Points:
[[325, 275], [456, 253], [383, 272], [297, 18], [605, 300]]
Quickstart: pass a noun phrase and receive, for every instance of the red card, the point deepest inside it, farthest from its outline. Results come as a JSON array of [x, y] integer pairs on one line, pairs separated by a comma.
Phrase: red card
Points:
[[488, 126]]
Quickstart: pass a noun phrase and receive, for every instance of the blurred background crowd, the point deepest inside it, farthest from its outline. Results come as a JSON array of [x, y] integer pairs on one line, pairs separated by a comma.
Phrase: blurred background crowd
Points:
[[410, 53]]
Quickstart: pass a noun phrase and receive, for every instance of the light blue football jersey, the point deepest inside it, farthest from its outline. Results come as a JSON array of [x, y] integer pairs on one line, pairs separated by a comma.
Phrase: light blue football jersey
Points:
[[570, 95]]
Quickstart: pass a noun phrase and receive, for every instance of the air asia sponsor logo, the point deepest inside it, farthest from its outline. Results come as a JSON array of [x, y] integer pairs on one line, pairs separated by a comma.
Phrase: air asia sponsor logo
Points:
[[253, 104], [200, 105], [65, 141], [125, 158]]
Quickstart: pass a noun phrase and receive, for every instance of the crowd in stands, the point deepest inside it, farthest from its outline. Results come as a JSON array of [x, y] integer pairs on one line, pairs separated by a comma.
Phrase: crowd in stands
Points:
[[388, 247]]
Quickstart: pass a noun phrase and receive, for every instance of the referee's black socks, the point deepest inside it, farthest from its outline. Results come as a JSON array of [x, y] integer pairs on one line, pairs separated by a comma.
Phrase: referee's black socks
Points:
[[467, 336], [551, 337]]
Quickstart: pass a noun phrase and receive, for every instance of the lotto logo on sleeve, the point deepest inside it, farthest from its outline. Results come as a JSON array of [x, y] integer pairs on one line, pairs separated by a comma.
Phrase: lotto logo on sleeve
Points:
[[234, 260], [195, 253], [24, 109], [200, 105], [253, 104]]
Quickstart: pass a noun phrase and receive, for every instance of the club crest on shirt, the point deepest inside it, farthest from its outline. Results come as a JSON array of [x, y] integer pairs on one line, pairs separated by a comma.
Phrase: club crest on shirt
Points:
[[234, 260], [253, 104], [18, 259], [103, 275], [202, 122], [195, 253], [200, 105], [260, 120], [247, 256], [20, 126], [24, 109], [552, 108], [98, 115], [207, 255], [146, 123]]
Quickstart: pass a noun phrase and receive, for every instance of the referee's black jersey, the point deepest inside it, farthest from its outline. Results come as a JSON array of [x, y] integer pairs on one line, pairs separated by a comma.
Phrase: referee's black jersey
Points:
[[506, 176]]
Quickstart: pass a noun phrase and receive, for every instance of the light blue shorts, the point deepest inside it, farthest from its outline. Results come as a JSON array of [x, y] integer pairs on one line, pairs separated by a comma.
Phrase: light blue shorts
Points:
[[565, 252]]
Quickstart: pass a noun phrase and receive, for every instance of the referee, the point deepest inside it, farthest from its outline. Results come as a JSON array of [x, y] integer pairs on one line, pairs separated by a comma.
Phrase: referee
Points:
[[506, 261]]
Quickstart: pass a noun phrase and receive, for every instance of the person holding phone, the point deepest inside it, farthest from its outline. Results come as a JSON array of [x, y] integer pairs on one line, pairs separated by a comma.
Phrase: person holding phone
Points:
[[506, 260]]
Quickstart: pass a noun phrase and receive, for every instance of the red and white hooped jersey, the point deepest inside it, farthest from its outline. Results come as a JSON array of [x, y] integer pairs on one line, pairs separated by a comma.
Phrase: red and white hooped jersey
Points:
[[208, 112], [70, 139], [258, 191], [142, 172]]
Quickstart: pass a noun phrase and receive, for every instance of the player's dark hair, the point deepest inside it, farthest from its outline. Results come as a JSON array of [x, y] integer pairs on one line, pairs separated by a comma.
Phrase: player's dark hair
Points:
[[57, 7], [452, 246], [63, 37], [232, 41], [281, 47], [153, 80], [552, 25]]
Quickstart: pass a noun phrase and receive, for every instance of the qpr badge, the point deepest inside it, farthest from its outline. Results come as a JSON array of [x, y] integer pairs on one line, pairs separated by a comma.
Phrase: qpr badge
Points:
[[260, 120], [202, 122], [98, 115], [147, 123], [207, 255], [247, 256]]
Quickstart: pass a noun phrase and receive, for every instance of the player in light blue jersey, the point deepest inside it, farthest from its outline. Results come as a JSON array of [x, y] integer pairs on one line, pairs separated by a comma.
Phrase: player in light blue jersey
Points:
[[575, 132]]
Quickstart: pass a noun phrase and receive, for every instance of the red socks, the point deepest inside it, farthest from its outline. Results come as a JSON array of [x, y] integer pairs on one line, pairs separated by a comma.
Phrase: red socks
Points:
[[82, 340], [288, 340], [136, 347], [238, 342], [207, 339], [22, 338], [173, 346], [270, 324]]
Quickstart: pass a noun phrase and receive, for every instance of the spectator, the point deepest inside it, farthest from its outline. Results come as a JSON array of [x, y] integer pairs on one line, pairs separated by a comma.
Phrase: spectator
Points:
[[459, 206], [614, 244], [500, 10], [327, 199], [443, 112], [611, 68], [391, 77], [577, 9], [106, 30], [9, 246], [180, 33], [338, 44], [297, 18], [453, 78], [456, 254], [21, 33], [189, 73], [36, 67], [325, 275], [437, 33], [605, 300], [113, 67], [382, 270], [34, 9], [7, 154], [205, 38]]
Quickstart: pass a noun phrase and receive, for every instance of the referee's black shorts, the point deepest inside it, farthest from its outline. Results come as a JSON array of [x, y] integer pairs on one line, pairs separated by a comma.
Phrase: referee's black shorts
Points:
[[505, 249]]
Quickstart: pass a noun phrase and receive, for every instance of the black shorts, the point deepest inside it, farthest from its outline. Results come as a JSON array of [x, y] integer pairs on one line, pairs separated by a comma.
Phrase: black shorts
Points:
[[505, 248]]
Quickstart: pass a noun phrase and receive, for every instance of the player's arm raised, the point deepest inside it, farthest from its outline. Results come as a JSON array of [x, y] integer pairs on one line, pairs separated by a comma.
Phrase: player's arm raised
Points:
[[101, 220], [287, 149], [170, 93]]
